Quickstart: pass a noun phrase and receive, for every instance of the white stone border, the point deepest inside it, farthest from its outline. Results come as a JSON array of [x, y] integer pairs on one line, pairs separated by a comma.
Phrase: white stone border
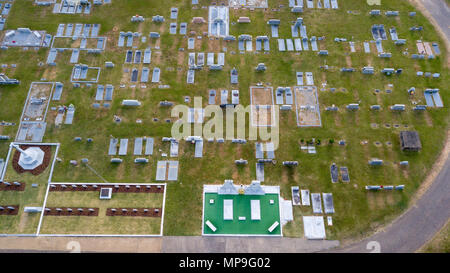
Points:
[[104, 235]]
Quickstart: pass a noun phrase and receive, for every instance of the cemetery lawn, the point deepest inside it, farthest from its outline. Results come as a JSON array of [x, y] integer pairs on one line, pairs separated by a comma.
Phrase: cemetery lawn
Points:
[[357, 211], [24, 223], [102, 224]]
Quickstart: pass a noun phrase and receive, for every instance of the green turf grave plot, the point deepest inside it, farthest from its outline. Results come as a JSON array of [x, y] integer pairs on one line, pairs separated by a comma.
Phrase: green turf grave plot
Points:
[[214, 213]]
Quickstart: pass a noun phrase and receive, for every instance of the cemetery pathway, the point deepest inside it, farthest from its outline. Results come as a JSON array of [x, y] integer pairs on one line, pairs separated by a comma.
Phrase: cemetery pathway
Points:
[[225, 244], [418, 224]]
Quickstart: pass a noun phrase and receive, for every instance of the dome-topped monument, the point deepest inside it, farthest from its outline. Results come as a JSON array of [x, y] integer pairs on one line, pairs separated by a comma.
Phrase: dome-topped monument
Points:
[[30, 158]]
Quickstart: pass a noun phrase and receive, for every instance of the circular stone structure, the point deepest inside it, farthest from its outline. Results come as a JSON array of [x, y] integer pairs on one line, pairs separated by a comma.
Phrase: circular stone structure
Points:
[[31, 158]]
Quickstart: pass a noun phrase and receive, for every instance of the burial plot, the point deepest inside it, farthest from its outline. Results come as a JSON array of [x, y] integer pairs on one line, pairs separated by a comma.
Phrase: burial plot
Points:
[[174, 148], [183, 28], [24, 37], [307, 106], [36, 106], [75, 55], [128, 56], [224, 97], [281, 45], [299, 76], [113, 146], [260, 172], [289, 45], [328, 202], [259, 153], [138, 146], [262, 101], [305, 44], [69, 30], [200, 59], [334, 173], [123, 146], [314, 227], [190, 76], [235, 97], [99, 94], [52, 56], [279, 95], [198, 148], [137, 56], [218, 23], [344, 174], [172, 174], [145, 74], [156, 75], [212, 97], [289, 97], [58, 91], [147, 56], [305, 198], [149, 146], [109, 92], [334, 4], [173, 28], [295, 196], [60, 30]]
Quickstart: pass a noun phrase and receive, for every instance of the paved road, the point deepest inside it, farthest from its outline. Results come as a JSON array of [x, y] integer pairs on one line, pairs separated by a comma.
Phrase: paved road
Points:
[[208, 244], [440, 12], [414, 228]]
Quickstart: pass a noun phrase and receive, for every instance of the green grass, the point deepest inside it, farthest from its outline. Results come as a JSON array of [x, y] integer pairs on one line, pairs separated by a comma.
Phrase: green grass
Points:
[[102, 224], [31, 197], [357, 212], [241, 207]]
